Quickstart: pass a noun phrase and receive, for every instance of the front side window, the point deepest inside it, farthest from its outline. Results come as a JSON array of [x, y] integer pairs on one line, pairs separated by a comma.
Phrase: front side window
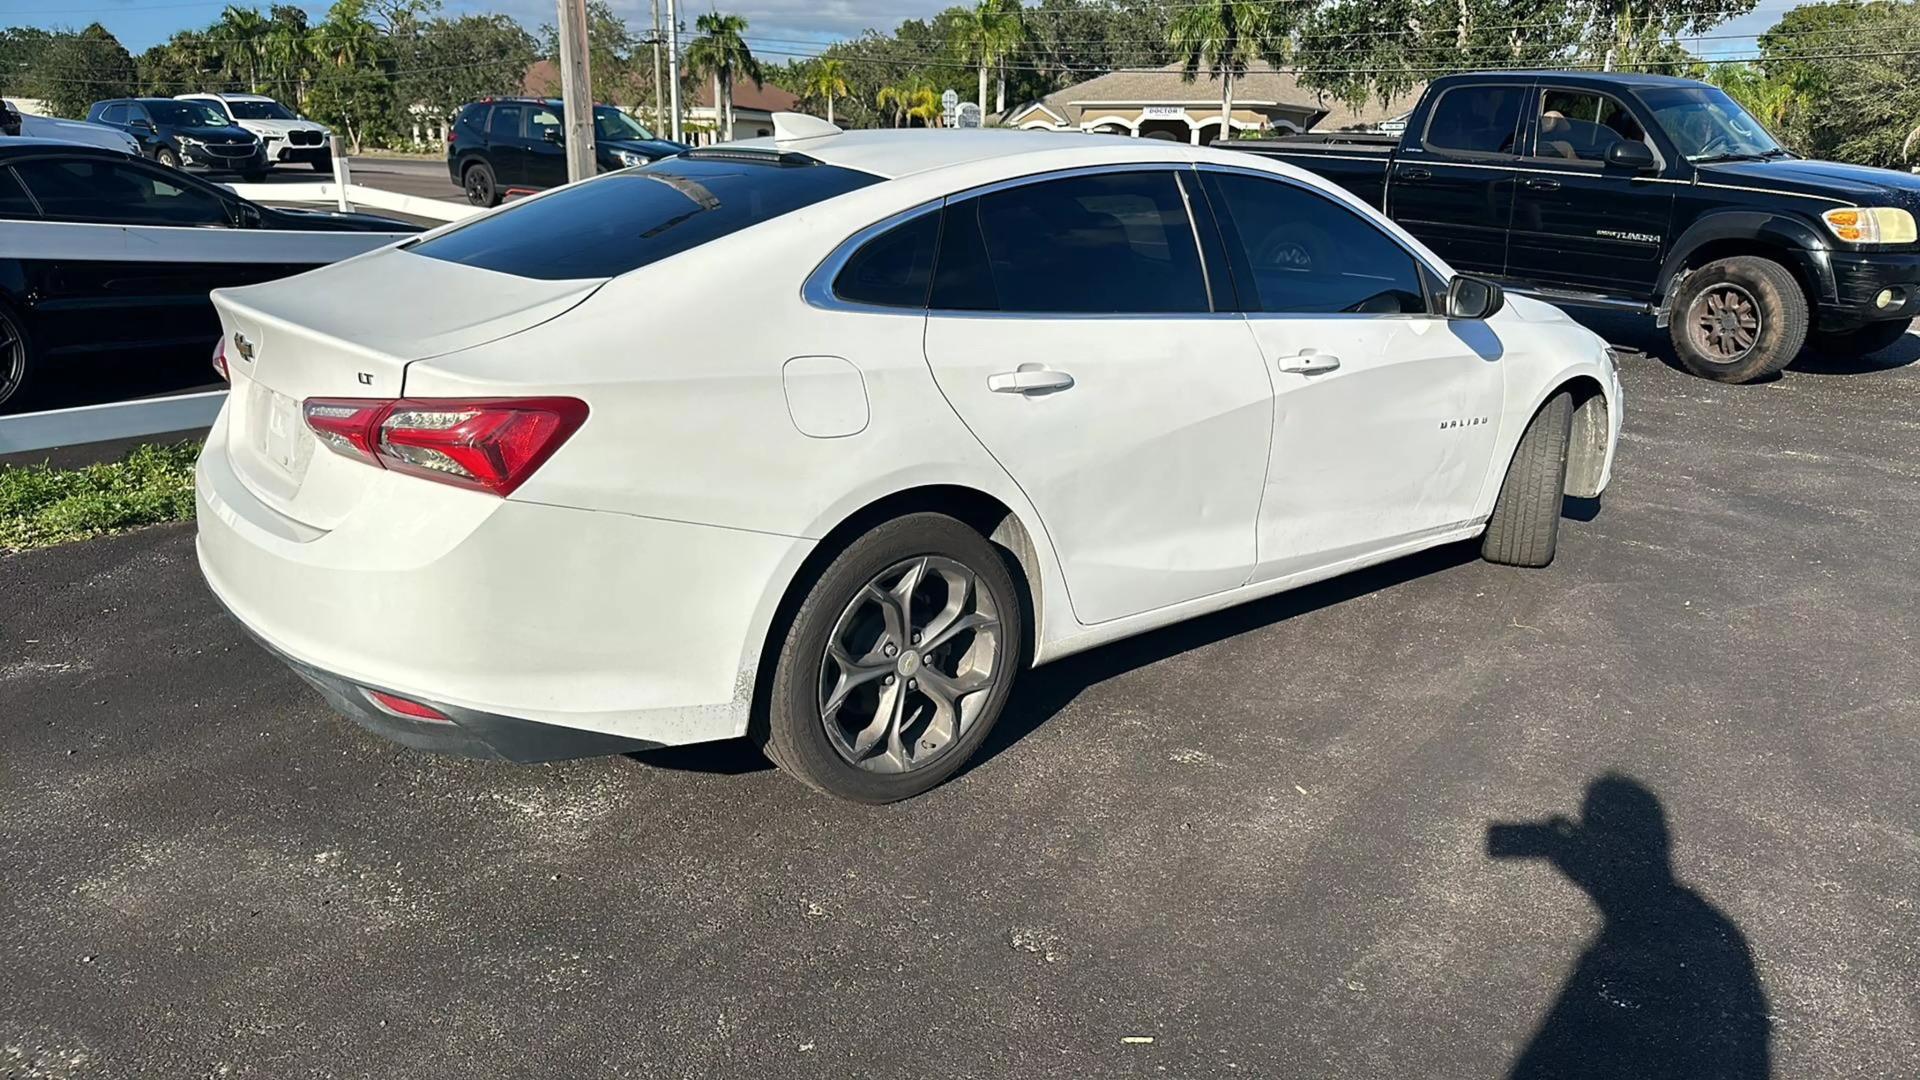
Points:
[[13, 198], [1475, 120], [1103, 243], [543, 123], [1576, 126], [625, 220], [114, 114], [90, 190], [613, 125], [186, 114], [1295, 251], [894, 268], [1707, 125]]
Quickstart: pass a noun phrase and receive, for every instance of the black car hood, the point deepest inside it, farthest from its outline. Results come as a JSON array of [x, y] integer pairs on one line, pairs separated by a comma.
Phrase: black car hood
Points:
[[1847, 183], [654, 148], [334, 221], [211, 134]]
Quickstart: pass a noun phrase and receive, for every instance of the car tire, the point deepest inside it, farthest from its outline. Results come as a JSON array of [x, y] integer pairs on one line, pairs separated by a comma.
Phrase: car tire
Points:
[[1525, 527], [165, 156], [1739, 319], [16, 359], [254, 177], [915, 687], [477, 181], [1860, 341]]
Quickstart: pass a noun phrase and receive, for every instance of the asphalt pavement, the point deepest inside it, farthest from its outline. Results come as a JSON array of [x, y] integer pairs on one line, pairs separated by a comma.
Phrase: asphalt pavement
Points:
[[1255, 845]]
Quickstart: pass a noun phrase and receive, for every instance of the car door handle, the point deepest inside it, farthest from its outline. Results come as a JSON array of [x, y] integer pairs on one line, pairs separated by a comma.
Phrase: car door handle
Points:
[[1416, 175], [1542, 183], [1029, 379], [1309, 362]]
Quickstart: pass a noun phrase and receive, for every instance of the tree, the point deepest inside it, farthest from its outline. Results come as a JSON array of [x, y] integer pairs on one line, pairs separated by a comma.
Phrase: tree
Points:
[[985, 36], [721, 53], [358, 101], [913, 99], [1856, 68], [449, 62], [241, 37], [825, 78], [1224, 36], [76, 70]]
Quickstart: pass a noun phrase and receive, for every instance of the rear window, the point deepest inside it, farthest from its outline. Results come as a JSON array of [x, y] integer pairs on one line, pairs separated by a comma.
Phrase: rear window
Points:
[[623, 222]]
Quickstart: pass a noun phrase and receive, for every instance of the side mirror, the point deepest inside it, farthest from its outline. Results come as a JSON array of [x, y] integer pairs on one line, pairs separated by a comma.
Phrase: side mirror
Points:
[[1473, 298], [551, 135], [1633, 155]]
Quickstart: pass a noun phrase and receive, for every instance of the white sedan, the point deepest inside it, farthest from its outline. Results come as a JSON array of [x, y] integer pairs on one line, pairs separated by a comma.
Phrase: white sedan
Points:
[[821, 439]]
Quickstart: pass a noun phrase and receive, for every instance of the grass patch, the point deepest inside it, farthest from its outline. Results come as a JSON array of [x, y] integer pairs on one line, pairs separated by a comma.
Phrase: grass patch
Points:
[[42, 506]]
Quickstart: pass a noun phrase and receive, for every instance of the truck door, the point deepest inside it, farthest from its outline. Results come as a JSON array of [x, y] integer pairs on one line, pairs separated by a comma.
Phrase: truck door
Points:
[[1577, 221], [1453, 180]]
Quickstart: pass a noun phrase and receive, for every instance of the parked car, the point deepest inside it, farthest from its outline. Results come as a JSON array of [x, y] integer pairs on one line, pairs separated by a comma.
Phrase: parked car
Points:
[[70, 288], [13, 122], [185, 135], [986, 399], [286, 137], [519, 144], [1648, 194]]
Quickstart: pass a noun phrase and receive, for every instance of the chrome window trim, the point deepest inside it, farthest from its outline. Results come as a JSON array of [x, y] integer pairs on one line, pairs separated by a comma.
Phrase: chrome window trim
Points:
[[1418, 262], [817, 290]]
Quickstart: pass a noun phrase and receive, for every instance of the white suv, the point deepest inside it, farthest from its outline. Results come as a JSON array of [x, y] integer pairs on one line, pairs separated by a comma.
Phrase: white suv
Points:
[[286, 137]]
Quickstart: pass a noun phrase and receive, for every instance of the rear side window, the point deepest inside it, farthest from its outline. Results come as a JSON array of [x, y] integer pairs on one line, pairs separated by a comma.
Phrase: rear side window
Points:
[[894, 268], [1476, 120], [1106, 243], [624, 221], [505, 123]]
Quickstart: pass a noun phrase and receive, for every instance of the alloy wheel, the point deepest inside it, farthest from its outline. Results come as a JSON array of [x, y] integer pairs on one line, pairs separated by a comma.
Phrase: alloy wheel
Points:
[[479, 187], [1725, 322], [13, 358], [910, 664]]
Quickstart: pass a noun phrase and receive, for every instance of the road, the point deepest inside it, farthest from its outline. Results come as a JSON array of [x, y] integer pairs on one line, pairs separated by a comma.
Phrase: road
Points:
[[1258, 840], [421, 176]]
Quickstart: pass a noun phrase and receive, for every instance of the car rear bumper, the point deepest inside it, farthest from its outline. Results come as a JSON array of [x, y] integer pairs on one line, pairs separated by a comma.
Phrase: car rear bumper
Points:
[[1860, 278], [541, 631]]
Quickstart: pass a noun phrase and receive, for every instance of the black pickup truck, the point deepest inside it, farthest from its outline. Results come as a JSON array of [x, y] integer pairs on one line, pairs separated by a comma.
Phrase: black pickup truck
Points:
[[1644, 193]]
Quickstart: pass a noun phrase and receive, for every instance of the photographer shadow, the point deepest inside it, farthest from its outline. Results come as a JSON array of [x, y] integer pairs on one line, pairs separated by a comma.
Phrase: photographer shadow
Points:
[[1667, 990]]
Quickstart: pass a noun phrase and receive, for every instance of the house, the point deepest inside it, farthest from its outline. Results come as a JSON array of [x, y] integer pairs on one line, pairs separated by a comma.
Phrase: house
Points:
[[1160, 104]]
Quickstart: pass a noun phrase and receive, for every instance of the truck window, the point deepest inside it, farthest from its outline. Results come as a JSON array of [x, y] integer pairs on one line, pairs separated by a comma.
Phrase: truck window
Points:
[[1298, 252], [1578, 126], [1475, 120]]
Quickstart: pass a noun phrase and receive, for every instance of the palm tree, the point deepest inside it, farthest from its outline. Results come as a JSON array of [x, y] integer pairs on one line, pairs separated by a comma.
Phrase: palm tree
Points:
[[985, 36], [825, 78], [347, 39], [721, 53], [913, 98], [1224, 36], [241, 34], [288, 51]]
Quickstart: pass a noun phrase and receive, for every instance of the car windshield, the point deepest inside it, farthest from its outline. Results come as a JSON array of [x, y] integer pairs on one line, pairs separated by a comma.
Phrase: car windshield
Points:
[[260, 110], [612, 124], [1706, 124], [185, 114]]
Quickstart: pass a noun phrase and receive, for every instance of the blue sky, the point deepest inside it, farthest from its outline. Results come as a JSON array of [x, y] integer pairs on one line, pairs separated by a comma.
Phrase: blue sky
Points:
[[140, 23]]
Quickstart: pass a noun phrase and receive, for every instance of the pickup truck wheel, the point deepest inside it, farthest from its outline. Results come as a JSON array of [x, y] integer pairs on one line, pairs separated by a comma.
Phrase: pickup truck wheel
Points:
[[1860, 341], [897, 662], [1739, 319], [1525, 526]]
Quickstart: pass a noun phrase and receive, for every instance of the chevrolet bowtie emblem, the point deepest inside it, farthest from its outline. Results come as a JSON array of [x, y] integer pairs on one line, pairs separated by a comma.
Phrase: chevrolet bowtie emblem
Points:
[[244, 346]]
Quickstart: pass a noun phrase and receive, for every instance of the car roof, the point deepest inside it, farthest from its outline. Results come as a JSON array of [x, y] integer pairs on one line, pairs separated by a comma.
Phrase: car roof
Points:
[[898, 152], [15, 145], [1591, 78], [224, 96]]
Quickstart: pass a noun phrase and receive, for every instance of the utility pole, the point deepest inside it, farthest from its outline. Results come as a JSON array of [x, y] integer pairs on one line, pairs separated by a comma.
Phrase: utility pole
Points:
[[576, 90], [659, 102], [673, 67]]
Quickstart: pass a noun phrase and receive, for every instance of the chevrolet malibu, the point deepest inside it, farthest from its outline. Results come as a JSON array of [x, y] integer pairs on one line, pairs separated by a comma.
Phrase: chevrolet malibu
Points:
[[821, 439]]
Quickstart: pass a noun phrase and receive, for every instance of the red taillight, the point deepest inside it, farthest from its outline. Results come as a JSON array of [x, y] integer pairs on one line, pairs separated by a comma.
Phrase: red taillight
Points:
[[220, 359], [412, 710], [491, 444]]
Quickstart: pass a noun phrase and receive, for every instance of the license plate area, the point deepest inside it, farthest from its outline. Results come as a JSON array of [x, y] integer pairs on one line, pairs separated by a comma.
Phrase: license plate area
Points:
[[280, 435]]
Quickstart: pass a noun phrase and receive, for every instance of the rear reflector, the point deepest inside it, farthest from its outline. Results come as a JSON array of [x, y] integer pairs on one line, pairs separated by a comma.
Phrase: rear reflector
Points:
[[412, 710], [220, 359], [489, 444]]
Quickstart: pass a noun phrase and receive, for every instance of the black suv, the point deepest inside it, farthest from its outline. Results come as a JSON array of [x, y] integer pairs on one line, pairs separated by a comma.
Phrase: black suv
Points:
[[504, 145], [185, 134]]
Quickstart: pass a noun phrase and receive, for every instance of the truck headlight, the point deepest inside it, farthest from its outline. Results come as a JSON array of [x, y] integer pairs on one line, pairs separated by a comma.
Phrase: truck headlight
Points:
[[1871, 224], [630, 159]]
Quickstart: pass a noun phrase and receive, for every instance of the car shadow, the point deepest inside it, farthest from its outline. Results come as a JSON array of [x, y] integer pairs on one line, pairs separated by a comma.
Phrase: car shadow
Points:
[[1638, 332], [1898, 355], [1667, 989]]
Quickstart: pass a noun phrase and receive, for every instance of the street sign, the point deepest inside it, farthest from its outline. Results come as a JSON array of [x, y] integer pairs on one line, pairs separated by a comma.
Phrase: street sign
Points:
[[949, 100], [967, 115]]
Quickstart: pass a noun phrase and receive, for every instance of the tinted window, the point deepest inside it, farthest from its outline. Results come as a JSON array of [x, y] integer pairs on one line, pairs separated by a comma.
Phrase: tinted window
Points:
[[260, 110], [13, 198], [114, 114], [505, 123], [474, 116], [1580, 127], [1302, 252], [542, 120], [186, 114], [627, 220], [88, 190], [1110, 243], [1476, 119], [894, 268]]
